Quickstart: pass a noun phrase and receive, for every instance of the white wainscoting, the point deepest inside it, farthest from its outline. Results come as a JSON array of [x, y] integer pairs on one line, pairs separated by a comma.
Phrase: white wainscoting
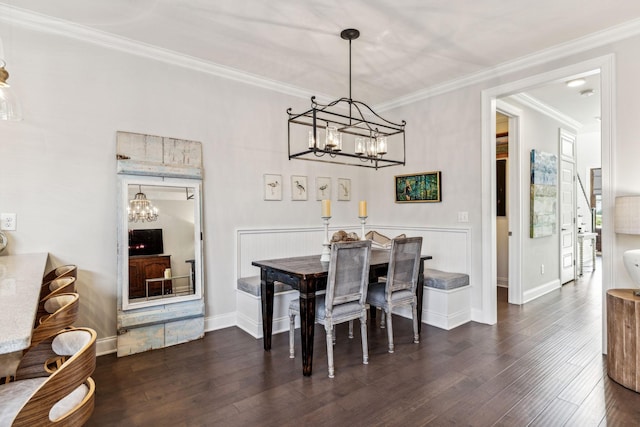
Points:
[[450, 248]]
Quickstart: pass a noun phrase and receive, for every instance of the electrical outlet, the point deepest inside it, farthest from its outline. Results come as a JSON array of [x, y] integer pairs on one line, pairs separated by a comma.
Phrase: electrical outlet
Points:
[[463, 216], [541, 268], [7, 221]]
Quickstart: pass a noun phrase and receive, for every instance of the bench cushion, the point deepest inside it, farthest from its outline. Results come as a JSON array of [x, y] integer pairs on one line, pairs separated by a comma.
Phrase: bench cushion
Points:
[[444, 280], [251, 285]]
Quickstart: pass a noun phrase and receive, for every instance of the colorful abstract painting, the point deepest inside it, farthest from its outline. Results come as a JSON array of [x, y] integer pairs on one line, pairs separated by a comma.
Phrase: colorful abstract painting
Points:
[[544, 193], [422, 187]]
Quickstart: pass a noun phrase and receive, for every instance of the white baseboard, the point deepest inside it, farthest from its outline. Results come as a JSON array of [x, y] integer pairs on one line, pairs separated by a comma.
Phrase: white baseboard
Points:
[[106, 345], [213, 323], [531, 294]]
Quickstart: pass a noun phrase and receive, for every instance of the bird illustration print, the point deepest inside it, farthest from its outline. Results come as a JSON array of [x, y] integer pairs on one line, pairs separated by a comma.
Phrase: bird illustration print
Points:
[[322, 188], [345, 190], [300, 188], [273, 185]]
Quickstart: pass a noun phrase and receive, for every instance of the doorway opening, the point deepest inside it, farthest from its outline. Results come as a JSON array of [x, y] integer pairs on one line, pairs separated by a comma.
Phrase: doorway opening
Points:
[[518, 207]]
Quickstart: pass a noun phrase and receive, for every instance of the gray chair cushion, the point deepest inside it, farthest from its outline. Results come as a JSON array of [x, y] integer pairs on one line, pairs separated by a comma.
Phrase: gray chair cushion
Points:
[[376, 295], [251, 285], [70, 342], [51, 305], [13, 397], [69, 402], [444, 280], [58, 283]]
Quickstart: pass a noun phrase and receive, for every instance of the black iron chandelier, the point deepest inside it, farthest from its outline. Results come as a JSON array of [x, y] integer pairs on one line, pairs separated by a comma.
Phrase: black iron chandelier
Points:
[[354, 134]]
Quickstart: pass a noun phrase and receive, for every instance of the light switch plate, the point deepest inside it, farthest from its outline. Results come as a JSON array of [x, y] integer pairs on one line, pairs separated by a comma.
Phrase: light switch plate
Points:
[[463, 216], [7, 221]]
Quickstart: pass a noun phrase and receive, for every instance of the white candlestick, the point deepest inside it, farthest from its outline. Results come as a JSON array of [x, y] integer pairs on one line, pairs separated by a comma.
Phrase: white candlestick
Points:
[[363, 220], [326, 246]]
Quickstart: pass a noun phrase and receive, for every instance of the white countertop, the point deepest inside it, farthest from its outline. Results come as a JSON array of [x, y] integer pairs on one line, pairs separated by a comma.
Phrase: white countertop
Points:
[[20, 282]]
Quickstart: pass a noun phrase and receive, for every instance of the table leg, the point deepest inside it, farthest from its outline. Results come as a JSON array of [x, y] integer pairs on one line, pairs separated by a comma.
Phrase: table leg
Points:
[[580, 256], [593, 253], [307, 326], [266, 292], [419, 293]]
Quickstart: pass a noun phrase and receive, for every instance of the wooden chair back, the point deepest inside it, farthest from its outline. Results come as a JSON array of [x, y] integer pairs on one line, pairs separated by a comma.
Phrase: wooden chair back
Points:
[[79, 346], [61, 312], [68, 270], [62, 285]]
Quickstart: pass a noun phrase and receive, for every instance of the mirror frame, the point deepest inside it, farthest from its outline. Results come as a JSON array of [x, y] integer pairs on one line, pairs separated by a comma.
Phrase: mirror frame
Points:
[[123, 239]]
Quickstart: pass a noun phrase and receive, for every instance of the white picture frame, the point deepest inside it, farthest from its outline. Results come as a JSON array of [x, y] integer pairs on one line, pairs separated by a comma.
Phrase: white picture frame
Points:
[[272, 187], [323, 188], [344, 189], [299, 187]]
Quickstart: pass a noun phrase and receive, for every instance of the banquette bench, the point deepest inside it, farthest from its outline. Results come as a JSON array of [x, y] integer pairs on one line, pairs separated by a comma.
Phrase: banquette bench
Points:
[[447, 290]]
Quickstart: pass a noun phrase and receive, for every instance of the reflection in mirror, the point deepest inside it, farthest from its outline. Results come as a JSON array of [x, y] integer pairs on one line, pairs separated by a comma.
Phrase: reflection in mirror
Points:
[[163, 249]]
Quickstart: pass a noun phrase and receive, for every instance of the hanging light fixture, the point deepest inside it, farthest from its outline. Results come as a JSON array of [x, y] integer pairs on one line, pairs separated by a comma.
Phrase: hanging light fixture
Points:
[[354, 134], [140, 209], [9, 105]]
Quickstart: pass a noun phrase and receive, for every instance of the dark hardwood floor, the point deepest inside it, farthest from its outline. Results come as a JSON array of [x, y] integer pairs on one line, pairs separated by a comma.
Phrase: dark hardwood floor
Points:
[[541, 365]]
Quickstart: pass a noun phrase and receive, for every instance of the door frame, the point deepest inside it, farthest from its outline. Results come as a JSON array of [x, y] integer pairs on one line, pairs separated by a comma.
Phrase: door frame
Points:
[[514, 201], [606, 65], [567, 135]]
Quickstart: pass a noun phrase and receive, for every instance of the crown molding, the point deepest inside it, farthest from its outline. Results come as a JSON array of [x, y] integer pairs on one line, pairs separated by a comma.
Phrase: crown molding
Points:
[[50, 25], [539, 106], [590, 41], [46, 24]]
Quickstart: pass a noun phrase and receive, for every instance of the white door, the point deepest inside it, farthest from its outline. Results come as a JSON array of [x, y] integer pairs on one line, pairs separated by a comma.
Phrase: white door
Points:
[[567, 206]]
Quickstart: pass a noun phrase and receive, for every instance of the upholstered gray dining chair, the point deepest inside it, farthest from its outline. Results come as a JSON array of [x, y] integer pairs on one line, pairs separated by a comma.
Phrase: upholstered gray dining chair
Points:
[[345, 297], [399, 288]]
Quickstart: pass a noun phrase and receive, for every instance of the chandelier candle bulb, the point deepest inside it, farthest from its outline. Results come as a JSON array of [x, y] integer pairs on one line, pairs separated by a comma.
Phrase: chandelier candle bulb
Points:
[[362, 208], [326, 209]]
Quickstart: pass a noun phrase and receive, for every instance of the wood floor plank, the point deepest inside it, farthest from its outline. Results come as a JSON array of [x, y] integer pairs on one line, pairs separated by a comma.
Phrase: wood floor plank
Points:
[[540, 365]]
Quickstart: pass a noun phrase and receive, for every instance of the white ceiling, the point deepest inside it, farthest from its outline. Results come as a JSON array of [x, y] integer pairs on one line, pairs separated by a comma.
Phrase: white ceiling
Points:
[[405, 45], [572, 102]]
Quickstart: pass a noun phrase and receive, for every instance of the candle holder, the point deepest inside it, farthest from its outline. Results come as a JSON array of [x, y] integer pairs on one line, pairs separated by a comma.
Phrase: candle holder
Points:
[[363, 221], [326, 246]]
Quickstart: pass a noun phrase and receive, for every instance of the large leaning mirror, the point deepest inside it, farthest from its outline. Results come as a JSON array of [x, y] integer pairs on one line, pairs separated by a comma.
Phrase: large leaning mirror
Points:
[[160, 241], [160, 295]]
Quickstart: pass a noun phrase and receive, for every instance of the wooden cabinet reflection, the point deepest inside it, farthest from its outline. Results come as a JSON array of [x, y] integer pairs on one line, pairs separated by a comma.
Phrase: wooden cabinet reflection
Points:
[[145, 267]]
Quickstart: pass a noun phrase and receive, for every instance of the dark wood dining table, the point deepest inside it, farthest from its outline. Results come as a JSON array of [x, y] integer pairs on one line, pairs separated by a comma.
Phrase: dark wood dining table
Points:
[[308, 274]]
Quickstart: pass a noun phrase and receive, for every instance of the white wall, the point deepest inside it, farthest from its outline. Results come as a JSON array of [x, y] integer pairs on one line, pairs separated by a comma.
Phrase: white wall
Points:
[[58, 165], [539, 132], [626, 173]]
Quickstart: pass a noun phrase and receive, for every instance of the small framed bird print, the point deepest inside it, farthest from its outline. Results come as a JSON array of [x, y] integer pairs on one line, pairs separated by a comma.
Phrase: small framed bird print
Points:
[[272, 187], [299, 187], [323, 188], [344, 189]]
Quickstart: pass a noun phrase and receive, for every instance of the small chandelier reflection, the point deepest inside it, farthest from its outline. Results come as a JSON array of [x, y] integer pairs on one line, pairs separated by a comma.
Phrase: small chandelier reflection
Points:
[[140, 209]]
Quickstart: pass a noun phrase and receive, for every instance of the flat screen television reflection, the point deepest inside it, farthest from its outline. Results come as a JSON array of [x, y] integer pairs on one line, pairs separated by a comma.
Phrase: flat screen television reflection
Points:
[[145, 242]]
